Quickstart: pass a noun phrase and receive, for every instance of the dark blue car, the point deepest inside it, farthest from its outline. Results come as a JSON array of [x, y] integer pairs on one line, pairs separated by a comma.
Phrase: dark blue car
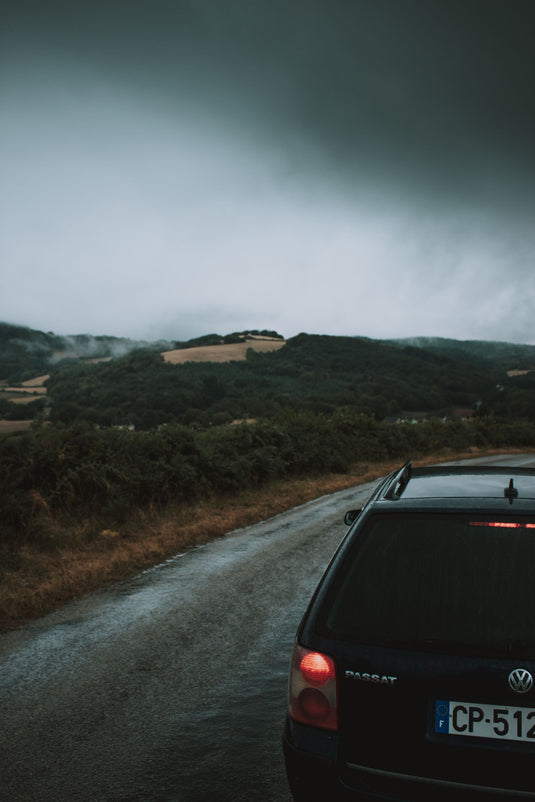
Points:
[[413, 671]]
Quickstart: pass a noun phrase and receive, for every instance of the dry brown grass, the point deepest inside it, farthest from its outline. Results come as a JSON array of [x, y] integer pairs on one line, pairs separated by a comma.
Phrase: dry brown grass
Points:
[[38, 582], [234, 352]]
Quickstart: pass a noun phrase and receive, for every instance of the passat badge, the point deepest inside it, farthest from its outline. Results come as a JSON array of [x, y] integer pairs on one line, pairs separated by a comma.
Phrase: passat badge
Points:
[[379, 679]]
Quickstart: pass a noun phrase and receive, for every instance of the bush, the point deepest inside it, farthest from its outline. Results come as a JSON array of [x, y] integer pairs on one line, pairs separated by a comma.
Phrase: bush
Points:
[[81, 470]]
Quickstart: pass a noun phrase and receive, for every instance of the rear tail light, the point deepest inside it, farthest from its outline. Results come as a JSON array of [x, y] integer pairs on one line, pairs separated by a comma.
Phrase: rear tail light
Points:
[[312, 689]]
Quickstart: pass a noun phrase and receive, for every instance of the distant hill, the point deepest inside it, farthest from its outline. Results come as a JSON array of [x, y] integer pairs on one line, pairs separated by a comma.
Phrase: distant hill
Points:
[[25, 352], [137, 386], [509, 356]]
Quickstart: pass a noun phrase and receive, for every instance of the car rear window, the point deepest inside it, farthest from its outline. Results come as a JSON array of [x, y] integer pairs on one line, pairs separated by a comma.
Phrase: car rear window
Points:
[[441, 582]]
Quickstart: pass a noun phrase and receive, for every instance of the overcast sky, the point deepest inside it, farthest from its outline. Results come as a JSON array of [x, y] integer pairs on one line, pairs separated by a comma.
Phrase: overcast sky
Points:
[[172, 168]]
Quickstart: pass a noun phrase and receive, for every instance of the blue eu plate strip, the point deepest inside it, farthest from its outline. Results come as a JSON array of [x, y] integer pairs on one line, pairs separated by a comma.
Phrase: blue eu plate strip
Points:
[[442, 716]]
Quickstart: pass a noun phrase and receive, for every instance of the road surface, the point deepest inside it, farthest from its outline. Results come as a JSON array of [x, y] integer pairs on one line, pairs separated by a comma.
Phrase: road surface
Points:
[[170, 686]]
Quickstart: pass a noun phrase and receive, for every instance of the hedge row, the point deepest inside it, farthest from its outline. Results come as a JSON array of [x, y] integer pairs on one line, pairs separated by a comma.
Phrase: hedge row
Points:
[[81, 470]]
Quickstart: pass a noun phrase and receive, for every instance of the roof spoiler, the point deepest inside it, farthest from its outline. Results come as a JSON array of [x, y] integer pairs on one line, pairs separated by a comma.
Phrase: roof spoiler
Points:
[[399, 482]]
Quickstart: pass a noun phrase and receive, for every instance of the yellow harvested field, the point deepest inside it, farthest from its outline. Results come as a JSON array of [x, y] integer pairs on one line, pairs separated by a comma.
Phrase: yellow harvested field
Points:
[[37, 382], [59, 355], [221, 353], [21, 398], [7, 426], [26, 390]]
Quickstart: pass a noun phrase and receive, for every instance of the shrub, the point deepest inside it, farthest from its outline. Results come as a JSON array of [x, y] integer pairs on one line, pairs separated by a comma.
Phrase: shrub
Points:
[[84, 471]]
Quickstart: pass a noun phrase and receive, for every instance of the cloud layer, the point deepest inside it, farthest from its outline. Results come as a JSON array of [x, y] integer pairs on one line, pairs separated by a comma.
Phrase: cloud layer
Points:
[[361, 168]]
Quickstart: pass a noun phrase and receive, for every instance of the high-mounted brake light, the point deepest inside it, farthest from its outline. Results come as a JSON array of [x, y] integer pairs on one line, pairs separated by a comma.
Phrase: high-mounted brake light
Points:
[[312, 689], [503, 524]]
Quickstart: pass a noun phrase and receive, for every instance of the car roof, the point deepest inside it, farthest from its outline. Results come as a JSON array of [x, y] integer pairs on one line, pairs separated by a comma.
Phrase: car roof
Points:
[[495, 487]]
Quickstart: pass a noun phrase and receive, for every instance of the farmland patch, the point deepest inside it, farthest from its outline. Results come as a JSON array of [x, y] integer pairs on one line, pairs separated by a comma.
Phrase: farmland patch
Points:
[[232, 352]]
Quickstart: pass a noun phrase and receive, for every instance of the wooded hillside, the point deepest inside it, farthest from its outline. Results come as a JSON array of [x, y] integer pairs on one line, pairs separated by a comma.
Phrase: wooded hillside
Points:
[[310, 373], [423, 378], [137, 432]]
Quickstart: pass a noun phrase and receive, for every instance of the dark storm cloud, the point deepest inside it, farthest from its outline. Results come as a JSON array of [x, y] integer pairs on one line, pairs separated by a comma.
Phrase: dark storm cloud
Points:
[[439, 93], [388, 143]]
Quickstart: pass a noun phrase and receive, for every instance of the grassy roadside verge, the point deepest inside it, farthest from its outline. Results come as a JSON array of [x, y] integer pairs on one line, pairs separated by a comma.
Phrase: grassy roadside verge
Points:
[[39, 582]]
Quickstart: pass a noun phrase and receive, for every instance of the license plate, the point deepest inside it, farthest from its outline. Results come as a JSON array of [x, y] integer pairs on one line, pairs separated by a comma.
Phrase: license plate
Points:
[[485, 721]]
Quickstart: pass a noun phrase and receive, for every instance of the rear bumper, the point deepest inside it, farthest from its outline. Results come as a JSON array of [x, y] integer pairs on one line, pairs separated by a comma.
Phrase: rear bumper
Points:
[[312, 768], [310, 758], [408, 788]]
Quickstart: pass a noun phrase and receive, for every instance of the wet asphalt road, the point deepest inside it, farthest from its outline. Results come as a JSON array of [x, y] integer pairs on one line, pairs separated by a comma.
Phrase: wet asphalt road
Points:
[[171, 686]]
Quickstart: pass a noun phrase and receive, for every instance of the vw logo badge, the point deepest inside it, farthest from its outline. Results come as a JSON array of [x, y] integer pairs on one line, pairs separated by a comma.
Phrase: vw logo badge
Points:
[[520, 680]]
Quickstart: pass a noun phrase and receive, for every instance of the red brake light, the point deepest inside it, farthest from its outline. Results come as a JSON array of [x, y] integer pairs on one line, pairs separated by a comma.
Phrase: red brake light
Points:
[[316, 668], [312, 689]]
